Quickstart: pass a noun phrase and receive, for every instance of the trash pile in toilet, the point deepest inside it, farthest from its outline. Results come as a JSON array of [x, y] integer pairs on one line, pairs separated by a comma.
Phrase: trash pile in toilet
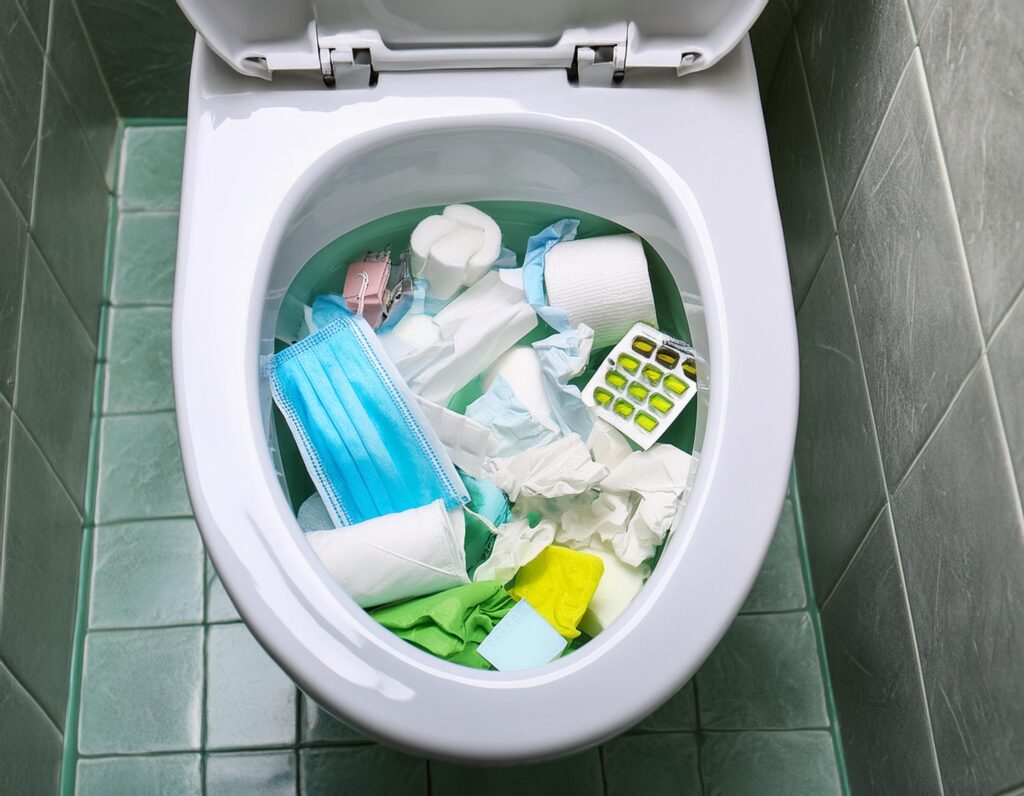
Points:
[[493, 432]]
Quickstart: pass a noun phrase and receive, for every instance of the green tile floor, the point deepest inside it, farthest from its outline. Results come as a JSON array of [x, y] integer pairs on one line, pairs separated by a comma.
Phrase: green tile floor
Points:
[[172, 695]]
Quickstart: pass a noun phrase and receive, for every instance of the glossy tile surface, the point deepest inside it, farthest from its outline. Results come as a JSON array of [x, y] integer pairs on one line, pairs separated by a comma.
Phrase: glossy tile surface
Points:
[[56, 372], [837, 462], [908, 282], [30, 745], [963, 559], [220, 698], [807, 219], [1007, 365], [769, 764], [21, 89], [41, 552], [973, 54], [151, 173], [157, 775], [875, 677], [14, 233]]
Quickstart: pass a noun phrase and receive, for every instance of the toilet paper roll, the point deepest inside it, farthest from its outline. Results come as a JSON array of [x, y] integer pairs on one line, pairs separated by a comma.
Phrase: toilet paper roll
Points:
[[602, 282], [520, 367]]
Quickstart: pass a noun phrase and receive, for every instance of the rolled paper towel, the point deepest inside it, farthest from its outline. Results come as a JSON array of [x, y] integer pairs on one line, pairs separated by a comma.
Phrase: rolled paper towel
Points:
[[601, 282], [520, 367], [397, 556], [454, 250], [618, 586]]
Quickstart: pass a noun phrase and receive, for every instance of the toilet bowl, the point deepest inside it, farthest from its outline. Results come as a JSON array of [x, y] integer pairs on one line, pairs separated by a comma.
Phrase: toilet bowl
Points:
[[276, 170]]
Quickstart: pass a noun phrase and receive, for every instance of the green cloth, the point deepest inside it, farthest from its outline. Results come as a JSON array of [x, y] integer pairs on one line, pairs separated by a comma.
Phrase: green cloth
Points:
[[450, 624], [489, 502]]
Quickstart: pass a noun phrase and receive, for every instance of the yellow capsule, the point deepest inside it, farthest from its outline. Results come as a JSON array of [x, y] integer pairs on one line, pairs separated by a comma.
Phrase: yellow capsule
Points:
[[643, 346], [602, 397], [668, 357], [638, 391], [645, 421], [652, 374], [676, 384], [616, 379], [623, 408], [628, 363], [690, 368], [660, 403]]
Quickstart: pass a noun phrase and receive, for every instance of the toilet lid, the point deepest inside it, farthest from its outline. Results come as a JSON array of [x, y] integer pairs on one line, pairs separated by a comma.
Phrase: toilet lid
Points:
[[260, 37]]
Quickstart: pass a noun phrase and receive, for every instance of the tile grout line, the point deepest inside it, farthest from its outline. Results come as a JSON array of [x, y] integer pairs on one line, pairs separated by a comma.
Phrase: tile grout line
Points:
[[68, 772], [819, 639]]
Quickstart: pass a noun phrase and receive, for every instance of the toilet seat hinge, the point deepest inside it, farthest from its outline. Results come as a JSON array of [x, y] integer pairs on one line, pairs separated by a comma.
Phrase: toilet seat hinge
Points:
[[347, 67], [599, 65]]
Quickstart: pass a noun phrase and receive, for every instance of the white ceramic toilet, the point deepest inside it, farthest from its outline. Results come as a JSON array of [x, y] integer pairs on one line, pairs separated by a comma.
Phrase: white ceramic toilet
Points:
[[645, 113]]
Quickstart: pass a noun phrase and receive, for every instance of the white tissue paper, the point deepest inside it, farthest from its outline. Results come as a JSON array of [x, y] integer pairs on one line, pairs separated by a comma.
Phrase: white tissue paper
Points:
[[468, 443], [397, 556], [558, 469], [602, 282], [454, 250], [562, 357], [512, 425], [520, 368], [516, 544], [463, 339]]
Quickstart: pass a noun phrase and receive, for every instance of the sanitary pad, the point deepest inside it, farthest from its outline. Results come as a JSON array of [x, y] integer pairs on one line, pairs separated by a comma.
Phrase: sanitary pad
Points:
[[467, 442], [559, 583], [454, 250], [397, 556], [619, 584]]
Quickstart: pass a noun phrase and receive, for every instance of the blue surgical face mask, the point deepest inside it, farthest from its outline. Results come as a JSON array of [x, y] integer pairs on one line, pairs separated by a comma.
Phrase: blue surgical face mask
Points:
[[361, 433]]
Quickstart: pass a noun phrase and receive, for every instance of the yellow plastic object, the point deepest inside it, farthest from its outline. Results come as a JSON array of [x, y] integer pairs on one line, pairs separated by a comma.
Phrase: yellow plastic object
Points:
[[638, 391], [623, 408], [661, 404], [602, 396], [645, 421], [559, 583], [652, 374], [676, 384], [628, 363], [617, 380]]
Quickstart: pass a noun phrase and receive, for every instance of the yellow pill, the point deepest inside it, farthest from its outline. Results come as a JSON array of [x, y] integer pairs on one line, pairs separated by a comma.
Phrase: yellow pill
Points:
[[668, 357], [623, 408], [690, 368], [616, 379], [602, 397], [645, 421], [652, 374], [628, 363], [676, 384], [643, 346], [660, 403], [638, 391]]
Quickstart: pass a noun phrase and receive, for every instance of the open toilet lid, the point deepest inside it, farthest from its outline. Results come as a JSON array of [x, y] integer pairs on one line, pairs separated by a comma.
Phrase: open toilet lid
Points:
[[260, 37]]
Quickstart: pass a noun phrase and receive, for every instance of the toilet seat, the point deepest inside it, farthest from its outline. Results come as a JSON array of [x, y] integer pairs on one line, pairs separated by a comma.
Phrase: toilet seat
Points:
[[274, 153]]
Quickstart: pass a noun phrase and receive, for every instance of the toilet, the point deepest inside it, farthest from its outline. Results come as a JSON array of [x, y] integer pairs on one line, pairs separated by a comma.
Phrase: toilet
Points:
[[310, 118]]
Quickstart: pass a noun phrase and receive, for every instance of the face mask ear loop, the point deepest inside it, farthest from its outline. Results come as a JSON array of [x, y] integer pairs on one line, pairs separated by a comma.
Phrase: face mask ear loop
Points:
[[361, 298]]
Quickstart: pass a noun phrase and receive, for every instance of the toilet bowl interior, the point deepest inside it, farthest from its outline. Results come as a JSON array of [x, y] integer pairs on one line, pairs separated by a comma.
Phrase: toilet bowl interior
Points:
[[525, 177]]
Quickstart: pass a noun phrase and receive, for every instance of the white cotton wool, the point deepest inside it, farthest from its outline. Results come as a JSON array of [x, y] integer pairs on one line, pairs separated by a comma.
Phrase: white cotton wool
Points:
[[454, 250]]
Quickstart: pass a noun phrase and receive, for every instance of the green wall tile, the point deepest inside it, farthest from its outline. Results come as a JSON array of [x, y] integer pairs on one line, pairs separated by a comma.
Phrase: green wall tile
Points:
[[319, 726], [249, 701], [30, 746], [42, 544], [72, 204], [158, 775], [780, 584], [652, 765], [140, 471], [219, 607], [5, 441], [145, 48], [763, 675], [153, 159], [83, 84], [13, 233], [362, 770], [678, 713], [21, 90], [144, 258], [769, 764], [141, 691], [248, 773], [37, 12], [578, 775], [146, 574], [138, 369], [56, 370]]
